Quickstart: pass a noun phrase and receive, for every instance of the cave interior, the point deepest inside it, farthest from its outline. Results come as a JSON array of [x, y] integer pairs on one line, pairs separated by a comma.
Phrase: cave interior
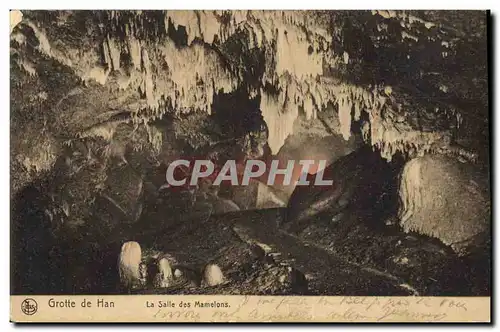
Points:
[[395, 102]]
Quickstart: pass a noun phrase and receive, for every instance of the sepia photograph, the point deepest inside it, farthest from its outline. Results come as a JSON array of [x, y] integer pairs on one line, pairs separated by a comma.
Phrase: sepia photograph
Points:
[[216, 155]]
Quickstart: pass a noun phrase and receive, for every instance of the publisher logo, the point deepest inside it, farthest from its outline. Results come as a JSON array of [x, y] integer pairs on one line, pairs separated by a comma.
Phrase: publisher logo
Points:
[[29, 307]]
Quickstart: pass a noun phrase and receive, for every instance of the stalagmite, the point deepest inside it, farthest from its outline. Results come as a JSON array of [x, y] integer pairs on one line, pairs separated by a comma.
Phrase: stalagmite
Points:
[[212, 275], [128, 264], [164, 276]]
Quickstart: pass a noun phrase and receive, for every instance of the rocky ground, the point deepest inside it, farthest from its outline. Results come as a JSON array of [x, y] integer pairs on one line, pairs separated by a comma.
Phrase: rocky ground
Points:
[[257, 257]]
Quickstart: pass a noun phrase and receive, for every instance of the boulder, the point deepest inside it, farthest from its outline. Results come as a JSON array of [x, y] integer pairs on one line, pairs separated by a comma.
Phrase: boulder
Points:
[[244, 196], [268, 197], [444, 198], [221, 205]]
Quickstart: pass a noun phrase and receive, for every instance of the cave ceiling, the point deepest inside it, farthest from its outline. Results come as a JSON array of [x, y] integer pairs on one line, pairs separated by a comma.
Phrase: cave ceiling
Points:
[[405, 80]]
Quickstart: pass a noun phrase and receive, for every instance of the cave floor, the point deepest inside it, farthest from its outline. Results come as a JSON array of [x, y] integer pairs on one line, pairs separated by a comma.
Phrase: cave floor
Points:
[[258, 257], [262, 259]]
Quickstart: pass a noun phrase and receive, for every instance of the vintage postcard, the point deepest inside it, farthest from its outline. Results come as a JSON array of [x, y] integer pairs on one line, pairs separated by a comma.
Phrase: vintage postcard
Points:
[[250, 166]]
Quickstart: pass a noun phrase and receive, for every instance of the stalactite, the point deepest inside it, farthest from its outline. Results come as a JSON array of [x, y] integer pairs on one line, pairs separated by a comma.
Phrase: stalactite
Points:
[[345, 107], [189, 76], [279, 116]]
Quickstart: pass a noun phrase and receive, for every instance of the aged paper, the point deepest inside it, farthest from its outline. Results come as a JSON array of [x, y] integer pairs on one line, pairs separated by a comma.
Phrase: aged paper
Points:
[[191, 308], [250, 166]]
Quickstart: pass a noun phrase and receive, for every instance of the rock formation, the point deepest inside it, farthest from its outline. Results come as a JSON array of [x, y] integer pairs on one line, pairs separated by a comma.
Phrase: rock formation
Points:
[[164, 277], [212, 275], [128, 264], [443, 198]]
